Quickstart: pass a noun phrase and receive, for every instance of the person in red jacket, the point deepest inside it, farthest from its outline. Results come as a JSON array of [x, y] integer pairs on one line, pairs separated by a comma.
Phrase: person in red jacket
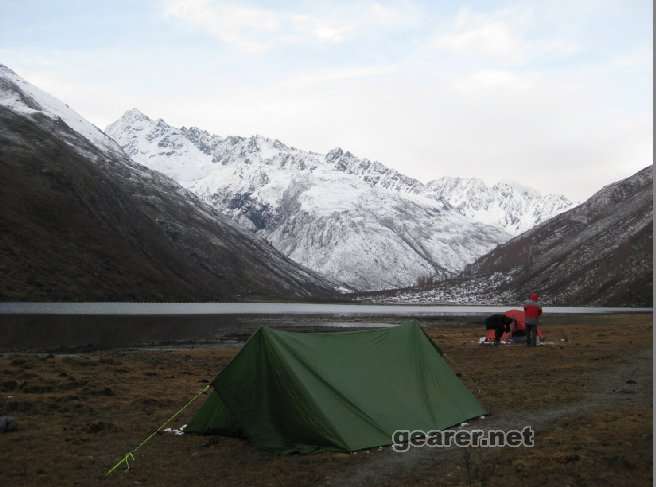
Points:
[[532, 313]]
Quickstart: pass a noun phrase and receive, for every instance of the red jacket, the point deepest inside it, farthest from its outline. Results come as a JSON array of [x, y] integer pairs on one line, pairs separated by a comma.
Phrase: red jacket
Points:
[[532, 310]]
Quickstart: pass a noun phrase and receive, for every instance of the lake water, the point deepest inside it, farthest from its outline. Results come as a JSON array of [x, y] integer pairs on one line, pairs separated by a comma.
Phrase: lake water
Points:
[[318, 309]]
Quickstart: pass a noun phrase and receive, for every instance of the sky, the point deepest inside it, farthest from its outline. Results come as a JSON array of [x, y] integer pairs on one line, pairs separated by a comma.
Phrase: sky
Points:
[[556, 95]]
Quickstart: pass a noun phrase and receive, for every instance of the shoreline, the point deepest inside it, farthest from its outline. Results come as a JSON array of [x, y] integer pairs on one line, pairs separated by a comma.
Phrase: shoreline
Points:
[[283, 308], [89, 333]]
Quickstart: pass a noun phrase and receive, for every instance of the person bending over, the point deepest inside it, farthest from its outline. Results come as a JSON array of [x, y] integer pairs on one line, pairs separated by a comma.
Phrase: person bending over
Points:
[[500, 323]]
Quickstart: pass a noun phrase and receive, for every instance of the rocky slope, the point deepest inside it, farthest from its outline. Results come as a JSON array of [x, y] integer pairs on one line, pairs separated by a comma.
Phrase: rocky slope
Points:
[[599, 253], [81, 221], [351, 219]]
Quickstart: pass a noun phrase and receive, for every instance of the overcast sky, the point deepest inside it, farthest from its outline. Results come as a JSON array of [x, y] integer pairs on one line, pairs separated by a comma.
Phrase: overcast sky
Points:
[[556, 95]]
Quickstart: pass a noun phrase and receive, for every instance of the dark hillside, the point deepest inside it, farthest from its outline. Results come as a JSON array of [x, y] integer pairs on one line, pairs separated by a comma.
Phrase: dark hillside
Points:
[[80, 224]]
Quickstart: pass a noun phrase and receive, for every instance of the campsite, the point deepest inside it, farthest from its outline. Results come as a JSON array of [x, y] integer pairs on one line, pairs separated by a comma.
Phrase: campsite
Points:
[[589, 400], [386, 243]]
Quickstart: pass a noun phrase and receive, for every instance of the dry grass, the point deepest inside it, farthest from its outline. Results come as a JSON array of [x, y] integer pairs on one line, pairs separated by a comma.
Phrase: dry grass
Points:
[[78, 413]]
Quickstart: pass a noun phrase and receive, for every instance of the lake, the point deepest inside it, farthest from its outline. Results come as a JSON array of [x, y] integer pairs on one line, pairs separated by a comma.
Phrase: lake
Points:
[[172, 309]]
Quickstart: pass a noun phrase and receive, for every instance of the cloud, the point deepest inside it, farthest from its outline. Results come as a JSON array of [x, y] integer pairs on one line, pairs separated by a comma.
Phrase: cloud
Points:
[[488, 92], [493, 81], [341, 74], [320, 29], [246, 27], [487, 36], [506, 35], [259, 29]]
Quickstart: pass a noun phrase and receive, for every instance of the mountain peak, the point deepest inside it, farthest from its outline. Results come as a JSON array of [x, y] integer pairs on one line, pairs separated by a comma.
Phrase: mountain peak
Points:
[[178, 248], [507, 204], [25, 99], [335, 154], [134, 114], [507, 184], [133, 119], [4, 70]]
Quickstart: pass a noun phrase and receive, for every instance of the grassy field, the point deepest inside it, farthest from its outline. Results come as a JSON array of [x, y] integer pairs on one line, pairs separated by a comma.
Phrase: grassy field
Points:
[[587, 393]]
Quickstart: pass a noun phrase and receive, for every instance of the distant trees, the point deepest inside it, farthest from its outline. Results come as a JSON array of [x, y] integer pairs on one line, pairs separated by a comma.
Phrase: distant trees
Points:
[[424, 281]]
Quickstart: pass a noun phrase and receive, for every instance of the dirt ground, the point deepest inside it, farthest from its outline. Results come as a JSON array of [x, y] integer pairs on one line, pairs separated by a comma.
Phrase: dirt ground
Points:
[[587, 393]]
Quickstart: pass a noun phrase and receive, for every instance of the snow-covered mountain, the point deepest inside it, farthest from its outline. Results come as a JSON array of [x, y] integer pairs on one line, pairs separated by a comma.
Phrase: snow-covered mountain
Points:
[[80, 220], [599, 253], [351, 219], [22, 97], [508, 205]]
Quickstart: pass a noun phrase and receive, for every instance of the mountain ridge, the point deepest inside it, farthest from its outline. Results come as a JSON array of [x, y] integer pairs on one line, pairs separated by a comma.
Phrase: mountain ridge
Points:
[[83, 221], [603, 245], [599, 253], [311, 205], [511, 205]]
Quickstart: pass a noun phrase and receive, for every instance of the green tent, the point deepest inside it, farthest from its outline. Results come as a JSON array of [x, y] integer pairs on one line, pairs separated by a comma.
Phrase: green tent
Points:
[[345, 391]]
